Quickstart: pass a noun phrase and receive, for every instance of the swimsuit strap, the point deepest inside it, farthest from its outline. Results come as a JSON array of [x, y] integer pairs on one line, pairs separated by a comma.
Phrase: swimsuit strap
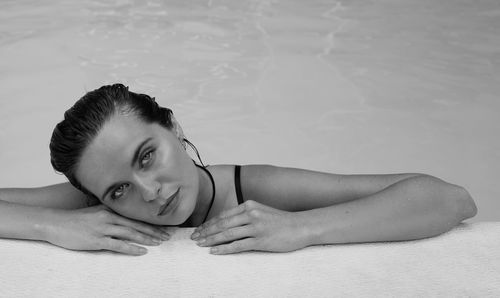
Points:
[[237, 184], [213, 190]]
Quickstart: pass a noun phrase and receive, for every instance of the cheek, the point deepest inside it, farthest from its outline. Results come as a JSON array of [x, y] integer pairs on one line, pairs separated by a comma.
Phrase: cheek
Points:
[[177, 163], [188, 177]]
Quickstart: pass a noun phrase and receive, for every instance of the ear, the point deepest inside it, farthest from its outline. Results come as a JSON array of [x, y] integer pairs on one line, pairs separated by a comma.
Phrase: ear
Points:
[[177, 130]]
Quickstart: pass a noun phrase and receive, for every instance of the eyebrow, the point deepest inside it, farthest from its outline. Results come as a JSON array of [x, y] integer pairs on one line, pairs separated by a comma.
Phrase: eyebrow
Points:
[[134, 160]]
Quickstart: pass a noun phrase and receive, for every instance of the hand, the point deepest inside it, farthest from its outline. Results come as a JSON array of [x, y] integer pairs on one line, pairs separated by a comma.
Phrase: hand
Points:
[[99, 228], [252, 226]]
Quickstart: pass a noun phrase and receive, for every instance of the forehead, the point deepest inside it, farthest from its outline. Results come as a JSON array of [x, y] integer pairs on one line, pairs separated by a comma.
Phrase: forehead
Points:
[[111, 151]]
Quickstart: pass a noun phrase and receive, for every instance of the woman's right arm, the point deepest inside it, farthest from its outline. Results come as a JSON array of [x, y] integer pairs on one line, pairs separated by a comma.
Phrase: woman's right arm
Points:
[[39, 214], [59, 196], [21, 222]]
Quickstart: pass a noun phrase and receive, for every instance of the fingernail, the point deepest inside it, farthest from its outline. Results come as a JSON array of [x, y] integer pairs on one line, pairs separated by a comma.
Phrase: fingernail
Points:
[[143, 251], [165, 236], [195, 235], [157, 241], [201, 241], [214, 250]]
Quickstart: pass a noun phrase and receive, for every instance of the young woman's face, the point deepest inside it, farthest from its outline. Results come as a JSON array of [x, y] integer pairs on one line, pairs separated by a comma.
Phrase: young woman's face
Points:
[[135, 168]]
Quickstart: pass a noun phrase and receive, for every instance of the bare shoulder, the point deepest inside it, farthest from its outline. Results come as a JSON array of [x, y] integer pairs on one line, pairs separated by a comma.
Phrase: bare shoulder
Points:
[[222, 172]]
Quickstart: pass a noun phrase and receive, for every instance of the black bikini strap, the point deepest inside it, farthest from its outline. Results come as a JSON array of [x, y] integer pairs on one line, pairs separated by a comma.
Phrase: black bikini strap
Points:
[[237, 184]]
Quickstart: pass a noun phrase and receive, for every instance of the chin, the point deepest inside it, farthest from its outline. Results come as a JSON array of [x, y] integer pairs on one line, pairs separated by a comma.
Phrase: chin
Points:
[[182, 213]]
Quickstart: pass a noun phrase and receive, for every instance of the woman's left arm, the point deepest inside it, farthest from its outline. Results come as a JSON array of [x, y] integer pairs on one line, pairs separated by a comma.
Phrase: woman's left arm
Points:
[[415, 206]]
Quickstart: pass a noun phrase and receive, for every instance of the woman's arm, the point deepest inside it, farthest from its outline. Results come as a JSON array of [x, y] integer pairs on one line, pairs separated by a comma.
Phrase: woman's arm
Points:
[[362, 208], [59, 196], [22, 222], [414, 208], [94, 228], [39, 214], [293, 189]]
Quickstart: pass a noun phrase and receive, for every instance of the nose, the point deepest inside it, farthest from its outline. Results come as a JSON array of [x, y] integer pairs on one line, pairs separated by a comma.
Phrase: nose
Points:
[[150, 189]]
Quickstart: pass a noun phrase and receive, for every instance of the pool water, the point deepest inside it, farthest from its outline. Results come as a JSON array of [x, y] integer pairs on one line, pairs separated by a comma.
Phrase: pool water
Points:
[[347, 87]]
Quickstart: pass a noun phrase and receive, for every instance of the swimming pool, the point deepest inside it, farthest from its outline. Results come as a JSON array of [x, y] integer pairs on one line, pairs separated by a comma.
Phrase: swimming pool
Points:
[[340, 86]]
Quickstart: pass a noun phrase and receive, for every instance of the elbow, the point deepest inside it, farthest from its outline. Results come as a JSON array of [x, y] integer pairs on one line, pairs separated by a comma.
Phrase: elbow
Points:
[[466, 206], [456, 200], [459, 201]]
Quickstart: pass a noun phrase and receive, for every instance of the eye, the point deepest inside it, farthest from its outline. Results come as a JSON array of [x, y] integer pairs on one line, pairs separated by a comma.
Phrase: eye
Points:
[[119, 191], [146, 158]]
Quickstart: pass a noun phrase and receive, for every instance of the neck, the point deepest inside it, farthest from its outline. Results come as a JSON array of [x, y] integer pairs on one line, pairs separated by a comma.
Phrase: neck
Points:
[[203, 201]]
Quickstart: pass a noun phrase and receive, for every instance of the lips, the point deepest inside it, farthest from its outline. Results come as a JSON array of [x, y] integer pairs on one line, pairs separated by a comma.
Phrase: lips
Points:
[[169, 200]]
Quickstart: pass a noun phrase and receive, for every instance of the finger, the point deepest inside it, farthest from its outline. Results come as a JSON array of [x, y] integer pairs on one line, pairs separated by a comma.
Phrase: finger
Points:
[[226, 236], [222, 225], [234, 247], [227, 213], [133, 235], [156, 232], [124, 247]]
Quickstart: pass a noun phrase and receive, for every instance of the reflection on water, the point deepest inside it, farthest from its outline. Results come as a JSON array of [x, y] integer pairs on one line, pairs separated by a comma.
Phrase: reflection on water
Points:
[[341, 86]]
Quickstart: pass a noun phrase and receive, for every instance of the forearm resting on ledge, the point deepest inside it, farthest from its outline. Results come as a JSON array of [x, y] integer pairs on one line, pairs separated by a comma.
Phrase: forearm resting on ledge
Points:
[[59, 196], [413, 208], [23, 222], [25, 211]]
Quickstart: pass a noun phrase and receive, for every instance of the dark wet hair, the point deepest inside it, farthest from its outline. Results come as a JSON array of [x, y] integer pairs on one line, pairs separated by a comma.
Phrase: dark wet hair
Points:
[[83, 121]]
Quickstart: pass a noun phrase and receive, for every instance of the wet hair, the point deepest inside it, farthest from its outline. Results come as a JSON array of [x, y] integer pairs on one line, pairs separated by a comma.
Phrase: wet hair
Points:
[[83, 121]]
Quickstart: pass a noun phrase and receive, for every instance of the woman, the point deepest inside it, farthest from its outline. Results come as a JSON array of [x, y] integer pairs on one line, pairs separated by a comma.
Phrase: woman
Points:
[[125, 156]]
